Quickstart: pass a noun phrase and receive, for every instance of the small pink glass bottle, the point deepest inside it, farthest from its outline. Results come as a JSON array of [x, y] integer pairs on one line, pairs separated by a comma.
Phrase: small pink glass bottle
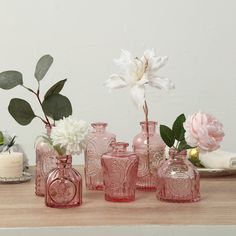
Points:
[[45, 161], [178, 179], [63, 185], [149, 157], [120, 173], [99, 142]]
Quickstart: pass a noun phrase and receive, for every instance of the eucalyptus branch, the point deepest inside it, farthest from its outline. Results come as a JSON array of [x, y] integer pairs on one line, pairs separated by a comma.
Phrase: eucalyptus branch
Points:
[[46, 121], [53, 104]]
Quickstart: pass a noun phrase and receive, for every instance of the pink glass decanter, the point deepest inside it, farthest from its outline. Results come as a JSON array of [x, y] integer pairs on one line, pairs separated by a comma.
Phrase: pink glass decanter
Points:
[[120, 173], [178, 179], [99, 142], [63, 185], [149, 157], [45, 161]]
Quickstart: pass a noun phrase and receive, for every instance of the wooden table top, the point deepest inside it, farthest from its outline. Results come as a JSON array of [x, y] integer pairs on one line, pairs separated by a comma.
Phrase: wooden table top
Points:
[[20, 207]]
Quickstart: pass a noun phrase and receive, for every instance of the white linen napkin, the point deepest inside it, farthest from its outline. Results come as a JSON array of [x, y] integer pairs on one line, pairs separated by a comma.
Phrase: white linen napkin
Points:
[[218, 159]]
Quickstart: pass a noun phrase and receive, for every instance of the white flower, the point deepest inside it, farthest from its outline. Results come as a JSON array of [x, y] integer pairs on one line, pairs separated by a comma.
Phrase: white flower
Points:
[[70, 135], [137, 72]]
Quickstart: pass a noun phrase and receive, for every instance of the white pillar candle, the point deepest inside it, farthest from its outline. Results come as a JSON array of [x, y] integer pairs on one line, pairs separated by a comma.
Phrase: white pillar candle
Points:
[[11, 164]]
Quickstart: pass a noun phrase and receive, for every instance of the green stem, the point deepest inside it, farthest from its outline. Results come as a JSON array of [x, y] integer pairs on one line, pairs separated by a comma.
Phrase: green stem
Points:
[[145, 109], [46, 121]]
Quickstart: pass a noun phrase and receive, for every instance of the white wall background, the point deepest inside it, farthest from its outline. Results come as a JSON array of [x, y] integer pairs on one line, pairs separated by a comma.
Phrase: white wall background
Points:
[[84, 36]]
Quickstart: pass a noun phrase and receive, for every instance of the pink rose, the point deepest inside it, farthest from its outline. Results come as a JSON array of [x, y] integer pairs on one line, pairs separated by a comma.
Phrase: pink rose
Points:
[[203, 130]]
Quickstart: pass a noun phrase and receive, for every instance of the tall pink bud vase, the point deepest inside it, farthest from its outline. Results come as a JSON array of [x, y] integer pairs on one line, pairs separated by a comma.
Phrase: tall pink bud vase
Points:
[[45, 161], [120, 173], [150, 153], [63, 185], [99, 142], [178, 179]]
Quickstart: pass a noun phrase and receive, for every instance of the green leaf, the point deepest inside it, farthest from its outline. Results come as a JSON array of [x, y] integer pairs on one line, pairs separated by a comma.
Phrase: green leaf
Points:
[[1, 138], [10, 79], [178, 127], [56, 88], [43, 66], [196, 162], [167, 135], [21, 111], [57, 106], [183, 145]]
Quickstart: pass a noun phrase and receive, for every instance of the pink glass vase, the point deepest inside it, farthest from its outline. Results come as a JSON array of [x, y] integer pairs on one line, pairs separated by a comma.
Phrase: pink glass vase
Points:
[[178, 179], [120, 173], [150, 150], [45, 161], [99, 142], [63, 185]]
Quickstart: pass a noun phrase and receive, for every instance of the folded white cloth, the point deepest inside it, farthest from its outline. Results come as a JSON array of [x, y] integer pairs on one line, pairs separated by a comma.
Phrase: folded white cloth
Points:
[[218, 159]]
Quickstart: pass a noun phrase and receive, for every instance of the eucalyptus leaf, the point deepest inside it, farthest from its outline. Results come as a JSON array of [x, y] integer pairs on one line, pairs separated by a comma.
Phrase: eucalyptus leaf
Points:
[[43, 66], [57, 106], [10, 79], [178, 127], [167, 135], [56, 88], [21, 111], [1, 138]]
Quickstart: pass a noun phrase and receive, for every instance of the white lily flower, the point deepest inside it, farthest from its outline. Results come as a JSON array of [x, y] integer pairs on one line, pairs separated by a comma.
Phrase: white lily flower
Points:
[[137, 72]]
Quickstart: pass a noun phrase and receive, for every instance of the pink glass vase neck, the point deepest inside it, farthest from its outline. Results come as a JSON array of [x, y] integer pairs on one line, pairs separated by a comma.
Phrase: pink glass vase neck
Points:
[[151, 127], [120, 147], [99, 126], [49, 129], [175, 154], [64, 161]]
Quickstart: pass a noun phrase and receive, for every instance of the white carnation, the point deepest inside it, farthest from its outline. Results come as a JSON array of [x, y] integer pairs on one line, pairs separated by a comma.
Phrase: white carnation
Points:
[[70, 135]]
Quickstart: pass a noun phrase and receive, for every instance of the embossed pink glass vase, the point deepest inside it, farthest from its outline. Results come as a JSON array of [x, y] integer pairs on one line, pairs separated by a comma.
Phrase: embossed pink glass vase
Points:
[[178, 179], [99, 141], [45, 161], [120, 173], [149, 155], [63, 185]]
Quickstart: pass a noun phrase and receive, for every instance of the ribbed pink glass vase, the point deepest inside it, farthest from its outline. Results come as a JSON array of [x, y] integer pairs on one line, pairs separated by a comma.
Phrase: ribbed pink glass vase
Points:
[[45, 161], [99, 142], [120, 174], [63, 185], [178, 179], [149, 155]]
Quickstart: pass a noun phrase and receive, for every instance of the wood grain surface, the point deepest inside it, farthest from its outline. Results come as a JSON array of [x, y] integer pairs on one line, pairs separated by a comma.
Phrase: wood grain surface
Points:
[[20, 207]]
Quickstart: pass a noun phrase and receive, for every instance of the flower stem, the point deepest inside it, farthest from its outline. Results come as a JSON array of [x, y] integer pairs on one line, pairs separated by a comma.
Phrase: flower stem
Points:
[[46, 121], [145, 109]]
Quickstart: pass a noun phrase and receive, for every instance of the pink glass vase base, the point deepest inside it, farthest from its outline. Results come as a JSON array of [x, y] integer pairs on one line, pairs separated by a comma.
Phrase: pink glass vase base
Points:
[[149, 155], [63, 186], [93, 183], [147, 183], [178, 180], [120, 174], [121, 199]]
